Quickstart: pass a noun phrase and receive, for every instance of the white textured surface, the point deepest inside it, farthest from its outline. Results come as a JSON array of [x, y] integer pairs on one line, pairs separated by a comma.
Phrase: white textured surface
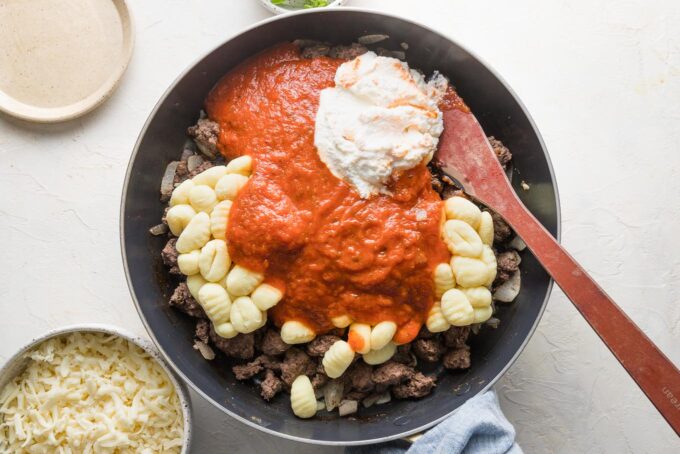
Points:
[[602, 81]]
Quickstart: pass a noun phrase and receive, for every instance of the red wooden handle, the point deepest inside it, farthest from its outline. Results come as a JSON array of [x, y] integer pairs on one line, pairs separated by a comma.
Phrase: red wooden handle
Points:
[[646, 364]]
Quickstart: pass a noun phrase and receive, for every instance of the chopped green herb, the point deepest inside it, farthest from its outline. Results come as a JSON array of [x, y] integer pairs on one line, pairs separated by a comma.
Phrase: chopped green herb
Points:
[[301, 3]]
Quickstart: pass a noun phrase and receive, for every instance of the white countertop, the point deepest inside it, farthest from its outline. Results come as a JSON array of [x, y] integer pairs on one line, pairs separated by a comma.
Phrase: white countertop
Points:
[[602, 81]]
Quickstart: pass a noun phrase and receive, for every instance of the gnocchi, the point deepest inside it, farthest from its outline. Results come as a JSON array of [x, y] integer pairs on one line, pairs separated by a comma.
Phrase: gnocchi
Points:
[[266, 296], [302, 397], [229, 186], [436, 322], [245, 316], [382, 334], [195, 234], [337, 359], [489, 259], [341, 321], [214, 299], [188, 263], [242, 165], [226, 330], [462, 209], [219, 217], [479, 297], [202, 198], [214, 260], [178, 217], [469, 272], [443, 279], [359, 337], [456, 308], [195, 282], [482, 314], [180, 195], [485, 228], [294, 332], [241, 281], [210, 177], [380, 356], [462, 239]]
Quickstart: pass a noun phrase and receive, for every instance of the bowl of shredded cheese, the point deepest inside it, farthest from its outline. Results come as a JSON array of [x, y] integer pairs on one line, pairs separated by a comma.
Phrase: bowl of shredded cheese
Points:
[[92, 389]]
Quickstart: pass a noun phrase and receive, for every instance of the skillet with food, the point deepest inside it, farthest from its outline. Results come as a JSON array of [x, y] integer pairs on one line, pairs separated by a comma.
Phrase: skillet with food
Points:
[[493, 348]]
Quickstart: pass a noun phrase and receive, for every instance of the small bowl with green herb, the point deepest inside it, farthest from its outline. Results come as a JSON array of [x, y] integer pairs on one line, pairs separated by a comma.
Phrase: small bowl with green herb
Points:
[[287, 6]]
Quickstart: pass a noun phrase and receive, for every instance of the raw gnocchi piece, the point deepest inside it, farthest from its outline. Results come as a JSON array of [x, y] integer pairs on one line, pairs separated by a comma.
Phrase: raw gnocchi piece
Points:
[[381, 355], [195, 282], [294, 332], [482, 314], [226, 330], [337, 359], [359, 337], [188, 263], [229, 186], [245, 316], [341, 321], [195, 234], [485, 228], [266, 296], [479, 297], [178, 217], [210, 177], [242, 165], [180, 195], [469, 272], [436, 322], [202, 198], [215, 302], [456, 308], [214, 261], [462, 209], [489, 259], [302, 398], [462, 239], [382, 334], [443, 279], [241, 281], [219, 217]]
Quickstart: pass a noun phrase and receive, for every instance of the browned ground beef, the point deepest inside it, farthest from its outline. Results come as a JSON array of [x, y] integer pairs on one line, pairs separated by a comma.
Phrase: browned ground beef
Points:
[[272, 344], [457, 359], [279, 364], [417, 386], [270, 386], [205, 134], [430, 350], [502, 153], [507, 264], [320, 345], [181, 299], [169, 255]]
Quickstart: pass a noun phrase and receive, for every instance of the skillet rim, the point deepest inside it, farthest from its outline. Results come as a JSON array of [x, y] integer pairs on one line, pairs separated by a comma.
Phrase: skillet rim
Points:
[[133, 158]]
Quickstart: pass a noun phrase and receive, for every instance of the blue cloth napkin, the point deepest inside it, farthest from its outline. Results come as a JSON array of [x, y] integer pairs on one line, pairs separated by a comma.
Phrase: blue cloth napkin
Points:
[[477, 427]]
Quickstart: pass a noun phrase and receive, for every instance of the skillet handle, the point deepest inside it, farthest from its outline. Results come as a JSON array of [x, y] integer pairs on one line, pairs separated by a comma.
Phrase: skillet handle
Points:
[[653, 372]]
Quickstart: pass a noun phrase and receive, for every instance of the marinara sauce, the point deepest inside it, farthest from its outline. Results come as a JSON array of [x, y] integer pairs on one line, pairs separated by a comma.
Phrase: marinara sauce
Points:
[[332, 252]]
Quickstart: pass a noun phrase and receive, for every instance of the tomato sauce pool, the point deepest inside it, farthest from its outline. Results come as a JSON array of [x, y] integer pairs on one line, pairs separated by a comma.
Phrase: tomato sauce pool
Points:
[[330, 251]]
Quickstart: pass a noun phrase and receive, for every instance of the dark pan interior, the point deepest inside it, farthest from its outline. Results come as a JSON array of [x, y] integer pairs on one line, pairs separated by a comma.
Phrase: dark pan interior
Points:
[[161, 141]]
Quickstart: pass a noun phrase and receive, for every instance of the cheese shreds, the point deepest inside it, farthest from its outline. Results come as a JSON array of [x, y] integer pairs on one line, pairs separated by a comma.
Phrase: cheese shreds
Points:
[[90, 393]]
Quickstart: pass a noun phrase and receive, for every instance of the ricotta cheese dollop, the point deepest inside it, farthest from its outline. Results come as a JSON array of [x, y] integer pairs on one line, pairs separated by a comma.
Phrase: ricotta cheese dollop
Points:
[[379, 119]]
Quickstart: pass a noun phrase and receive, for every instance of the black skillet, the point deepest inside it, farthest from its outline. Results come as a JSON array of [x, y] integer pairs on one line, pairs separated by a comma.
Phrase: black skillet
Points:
[[500, 113]]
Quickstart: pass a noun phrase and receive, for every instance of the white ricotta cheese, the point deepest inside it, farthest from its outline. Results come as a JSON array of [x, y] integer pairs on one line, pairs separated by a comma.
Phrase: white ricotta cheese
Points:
[[381, 118]]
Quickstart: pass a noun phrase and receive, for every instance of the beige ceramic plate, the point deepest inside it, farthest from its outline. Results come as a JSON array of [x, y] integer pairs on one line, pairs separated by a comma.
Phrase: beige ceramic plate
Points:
[[61, 59]]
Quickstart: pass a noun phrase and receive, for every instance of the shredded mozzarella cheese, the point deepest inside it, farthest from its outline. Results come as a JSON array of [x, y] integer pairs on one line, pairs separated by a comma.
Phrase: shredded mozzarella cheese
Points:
[[90, 393]]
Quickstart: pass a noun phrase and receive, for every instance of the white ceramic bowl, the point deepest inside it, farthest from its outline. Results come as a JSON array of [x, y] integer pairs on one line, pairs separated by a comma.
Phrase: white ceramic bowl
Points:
[[280, 10], [18, 362]]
